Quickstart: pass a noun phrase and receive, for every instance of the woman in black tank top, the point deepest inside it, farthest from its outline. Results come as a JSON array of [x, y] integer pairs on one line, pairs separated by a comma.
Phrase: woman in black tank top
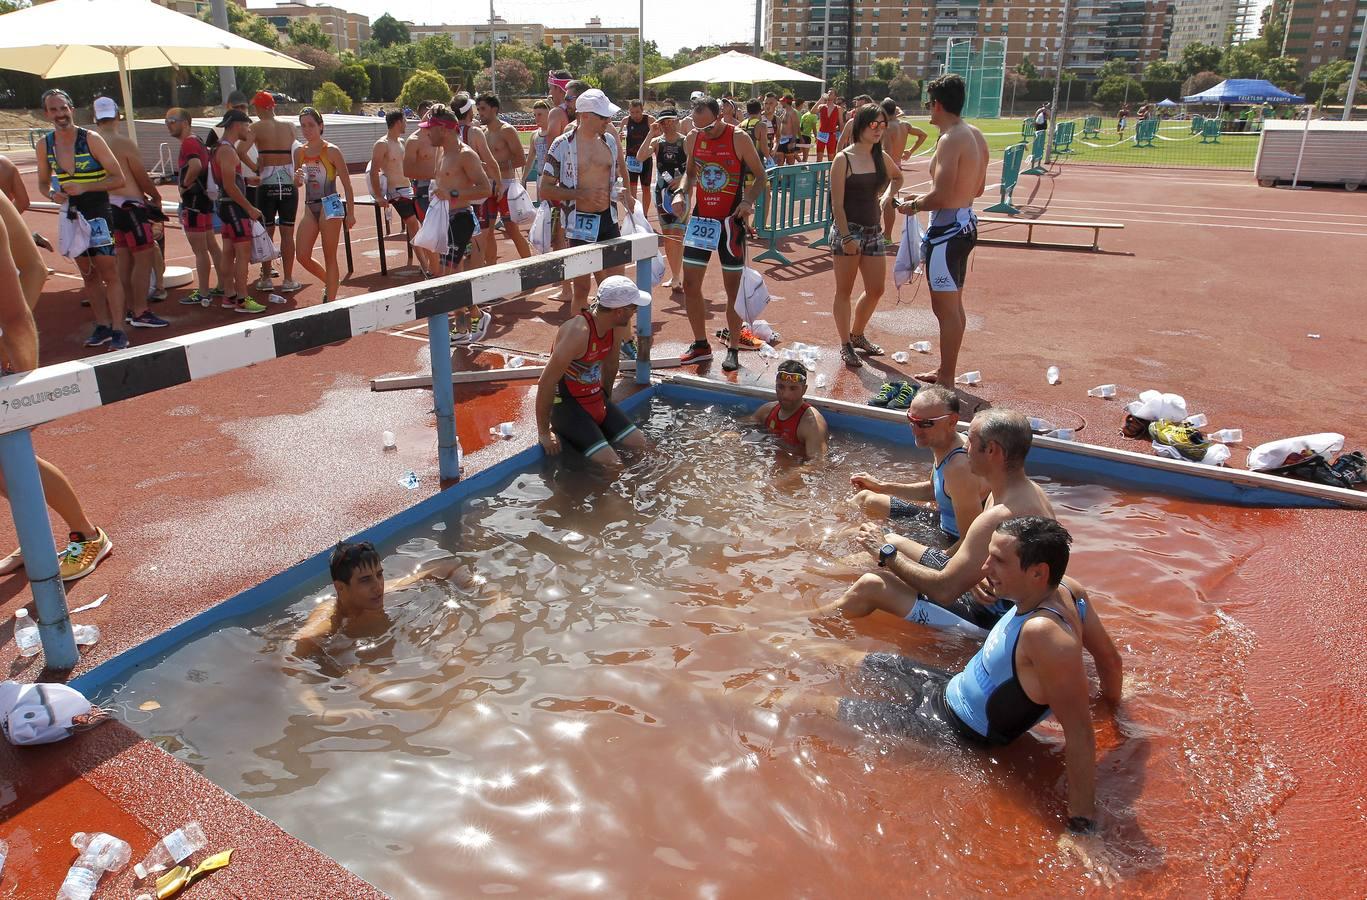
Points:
[[864, 181], [635, 131]]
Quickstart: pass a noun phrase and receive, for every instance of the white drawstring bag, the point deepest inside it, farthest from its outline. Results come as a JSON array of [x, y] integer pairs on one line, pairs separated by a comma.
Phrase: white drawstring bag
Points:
[[908, 262], [263, 248], [540, 235], [752, 297], [520, 207], [1154, 405], [44, 713], [73, 234], [434, 233], [637, 223], [1274, 454]]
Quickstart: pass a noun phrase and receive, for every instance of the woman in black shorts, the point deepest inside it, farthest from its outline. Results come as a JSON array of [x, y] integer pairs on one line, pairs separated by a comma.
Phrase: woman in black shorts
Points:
[[636, 128], [864, 181]]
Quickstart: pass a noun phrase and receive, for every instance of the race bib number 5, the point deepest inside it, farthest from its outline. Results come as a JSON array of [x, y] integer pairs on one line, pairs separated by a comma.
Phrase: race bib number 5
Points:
[[583, 226], [702, 234], [333, 207]]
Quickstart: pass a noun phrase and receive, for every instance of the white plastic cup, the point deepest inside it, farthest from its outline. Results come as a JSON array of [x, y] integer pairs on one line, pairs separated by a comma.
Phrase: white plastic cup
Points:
[[900, 356], [1197, 421], [921, 346], [789, 353], [1051, 375], [1041, 426], [822, 381], [1064, 434], [505, 429], [974, 377], [389, 440], [768, 352], [1104, 391]]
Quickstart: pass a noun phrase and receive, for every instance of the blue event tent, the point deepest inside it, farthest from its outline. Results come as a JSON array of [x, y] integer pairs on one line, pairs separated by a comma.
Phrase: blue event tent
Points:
[[1244, 90]]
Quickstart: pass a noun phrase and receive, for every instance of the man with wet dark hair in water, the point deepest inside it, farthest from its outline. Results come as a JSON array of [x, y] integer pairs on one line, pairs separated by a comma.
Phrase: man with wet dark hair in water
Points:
[[1030, 667], [358, 608], [790, 418]]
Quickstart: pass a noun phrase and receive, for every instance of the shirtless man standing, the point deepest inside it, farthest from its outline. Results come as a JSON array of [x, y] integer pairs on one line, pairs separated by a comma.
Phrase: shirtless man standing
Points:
[[561, 83], [939, 589], [485, 253], [788, 150], [388, 183], [419, 166], [276, 195], [582, 167], [460, 179], [506, 148], [132, 204], [895, 145], [958, 171]]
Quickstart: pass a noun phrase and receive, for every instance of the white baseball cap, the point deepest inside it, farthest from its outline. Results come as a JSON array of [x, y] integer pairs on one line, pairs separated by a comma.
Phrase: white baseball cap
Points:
[[696, 96], [617, 291], [593, 101], [105, 108]]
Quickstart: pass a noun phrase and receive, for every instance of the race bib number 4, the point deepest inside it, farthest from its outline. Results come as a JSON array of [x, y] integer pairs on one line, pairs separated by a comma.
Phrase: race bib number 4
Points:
[[333, 207], [583, 226], [702, 234], [99, 233]]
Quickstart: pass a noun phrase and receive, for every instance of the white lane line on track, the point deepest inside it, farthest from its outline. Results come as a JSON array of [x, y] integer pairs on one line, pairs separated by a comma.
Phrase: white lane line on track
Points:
[[1274, 212], [1201, 215], [1361, 234]]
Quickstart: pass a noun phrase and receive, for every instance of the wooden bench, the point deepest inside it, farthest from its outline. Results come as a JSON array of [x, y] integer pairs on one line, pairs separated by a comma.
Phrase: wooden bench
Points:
[[1031, 224]]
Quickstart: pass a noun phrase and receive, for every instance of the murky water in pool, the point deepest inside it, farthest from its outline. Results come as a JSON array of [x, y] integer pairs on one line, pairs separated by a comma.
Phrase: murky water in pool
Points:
[[590, 720]]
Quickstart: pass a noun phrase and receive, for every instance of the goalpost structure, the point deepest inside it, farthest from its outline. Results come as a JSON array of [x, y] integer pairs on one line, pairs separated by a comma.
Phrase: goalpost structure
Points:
[[981, 63]]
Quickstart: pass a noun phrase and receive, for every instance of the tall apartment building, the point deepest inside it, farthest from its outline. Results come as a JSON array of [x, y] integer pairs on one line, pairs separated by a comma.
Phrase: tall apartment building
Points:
[[917, 32], [600, 39], [478, 33], [347, 30], [1212, 22], [1321, 31]]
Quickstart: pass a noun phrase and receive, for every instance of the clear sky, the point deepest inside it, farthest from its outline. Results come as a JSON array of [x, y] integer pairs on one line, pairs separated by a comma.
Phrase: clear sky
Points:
[[670, 24]]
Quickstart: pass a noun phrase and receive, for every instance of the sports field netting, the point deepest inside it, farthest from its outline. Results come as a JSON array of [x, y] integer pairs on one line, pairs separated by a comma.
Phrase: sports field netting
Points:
[[1175, 146], [982, 67]]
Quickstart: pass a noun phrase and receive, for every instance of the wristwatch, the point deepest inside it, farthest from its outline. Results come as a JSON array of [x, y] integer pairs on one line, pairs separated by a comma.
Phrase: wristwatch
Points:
[[885, 554], [1082, 825]]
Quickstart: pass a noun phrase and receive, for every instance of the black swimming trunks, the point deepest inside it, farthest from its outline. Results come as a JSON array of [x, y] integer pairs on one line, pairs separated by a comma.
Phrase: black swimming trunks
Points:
[[917, 709]]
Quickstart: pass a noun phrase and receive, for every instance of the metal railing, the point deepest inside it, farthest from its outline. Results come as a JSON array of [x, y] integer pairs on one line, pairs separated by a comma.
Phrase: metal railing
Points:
[[52, 392], [797, 200]]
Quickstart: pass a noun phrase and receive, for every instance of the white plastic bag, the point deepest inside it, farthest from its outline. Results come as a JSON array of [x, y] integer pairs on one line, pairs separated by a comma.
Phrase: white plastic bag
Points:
[[433, 235], [73, 234], [752, 297], [540, 234], [637, 223], [1155, 405], [520, 207], [908, 261], [1273, 454], [44, 713], [263, 248]]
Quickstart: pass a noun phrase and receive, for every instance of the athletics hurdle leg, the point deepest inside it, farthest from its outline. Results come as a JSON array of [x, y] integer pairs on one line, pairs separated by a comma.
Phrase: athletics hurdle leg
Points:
[[643, 338], [444, 396], [29, 508]]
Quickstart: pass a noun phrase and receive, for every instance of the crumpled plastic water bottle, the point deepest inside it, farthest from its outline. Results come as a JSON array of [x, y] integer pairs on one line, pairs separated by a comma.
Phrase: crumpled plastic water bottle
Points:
[[900, 356], [1051, 375], [974, 377], [921, 346], [1104, 391], [409, 480]]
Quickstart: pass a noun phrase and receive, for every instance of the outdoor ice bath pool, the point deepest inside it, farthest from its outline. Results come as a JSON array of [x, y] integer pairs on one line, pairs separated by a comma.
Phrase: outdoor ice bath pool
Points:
[[588, 717]]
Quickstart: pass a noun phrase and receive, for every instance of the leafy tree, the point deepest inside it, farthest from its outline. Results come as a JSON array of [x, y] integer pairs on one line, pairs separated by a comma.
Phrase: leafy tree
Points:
[[331, 98], [1162, 70], [599, 63], [1112, 68], [531, 57], [1283, 71], [1333, 72], [388, 31], [9, 6], [808, 65], [514, 78], [620, 81], [1198, 57], [1240, 62], [1114, 90], [906, 90], [553, 58], [1027, 68], [302, 83], [308, 33], [1273, 30], [577, 57], [424, 84], [1199, 82], [252, 27], [354, 80], [887, 68]]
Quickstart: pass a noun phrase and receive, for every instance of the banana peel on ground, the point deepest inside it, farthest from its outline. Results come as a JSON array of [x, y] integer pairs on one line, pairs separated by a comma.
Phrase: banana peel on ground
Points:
[[181, 877]]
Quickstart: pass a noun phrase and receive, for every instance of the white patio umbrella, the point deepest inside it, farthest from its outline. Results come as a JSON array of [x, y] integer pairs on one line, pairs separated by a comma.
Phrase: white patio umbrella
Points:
[[84, 37], [732, 67]]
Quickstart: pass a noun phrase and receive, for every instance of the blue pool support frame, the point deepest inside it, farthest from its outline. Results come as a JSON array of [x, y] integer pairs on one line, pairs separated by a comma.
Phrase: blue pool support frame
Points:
[[444, 396], [29, 508], [644, 282]]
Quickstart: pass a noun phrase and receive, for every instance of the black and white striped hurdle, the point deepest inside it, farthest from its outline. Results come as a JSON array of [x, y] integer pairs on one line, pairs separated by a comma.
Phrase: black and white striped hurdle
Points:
[[53, 392]]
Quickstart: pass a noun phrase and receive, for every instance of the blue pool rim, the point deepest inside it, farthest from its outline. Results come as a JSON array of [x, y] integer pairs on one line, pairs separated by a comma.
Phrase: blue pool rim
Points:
[[1188, 482]]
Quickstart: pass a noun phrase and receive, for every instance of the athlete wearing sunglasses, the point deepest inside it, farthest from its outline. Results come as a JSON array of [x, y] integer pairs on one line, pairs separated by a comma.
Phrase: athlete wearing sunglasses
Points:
[[957, 494]]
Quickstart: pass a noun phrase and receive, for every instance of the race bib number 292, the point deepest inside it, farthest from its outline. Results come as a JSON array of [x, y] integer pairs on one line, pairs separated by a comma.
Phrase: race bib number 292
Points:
[[703, 234]]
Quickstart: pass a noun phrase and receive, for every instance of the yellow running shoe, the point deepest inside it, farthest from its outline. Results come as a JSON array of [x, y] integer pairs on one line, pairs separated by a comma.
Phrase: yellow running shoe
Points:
[[80, 558]]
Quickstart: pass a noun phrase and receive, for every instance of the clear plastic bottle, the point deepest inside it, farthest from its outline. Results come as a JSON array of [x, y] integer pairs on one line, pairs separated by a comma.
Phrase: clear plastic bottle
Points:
[[1052, 375], [100, 853], [26, 634], [921, 346], [1197, 420], [4, 853], [1227, 436], [973, 377], [900, 356], [85, 635], [1104, 391], [172, 850], [387, 439]]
